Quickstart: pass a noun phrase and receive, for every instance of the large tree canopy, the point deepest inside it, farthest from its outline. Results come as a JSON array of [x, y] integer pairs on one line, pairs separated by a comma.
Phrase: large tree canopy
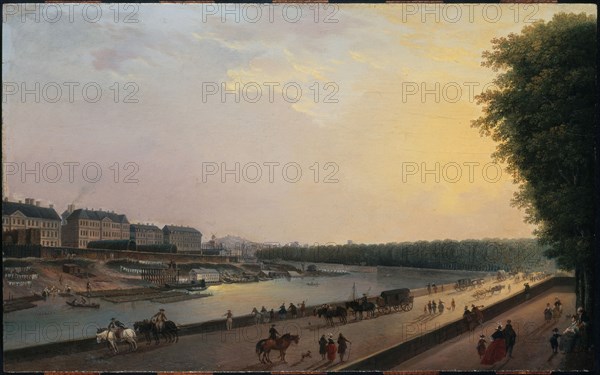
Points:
[[541, 114]]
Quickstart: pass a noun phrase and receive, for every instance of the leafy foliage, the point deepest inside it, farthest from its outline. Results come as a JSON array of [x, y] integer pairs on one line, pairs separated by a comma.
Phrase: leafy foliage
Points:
[[541, 114]]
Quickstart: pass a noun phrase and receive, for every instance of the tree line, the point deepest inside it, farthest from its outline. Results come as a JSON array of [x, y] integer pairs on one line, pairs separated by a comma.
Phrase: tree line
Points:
[[516, 255]]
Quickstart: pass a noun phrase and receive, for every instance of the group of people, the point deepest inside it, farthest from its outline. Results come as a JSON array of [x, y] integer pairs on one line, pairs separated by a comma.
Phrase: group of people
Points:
[[266, 316], [553, 312], [502, 343], [431, 307], [432, 288], [328, 348], [575, 337], [117, 326]]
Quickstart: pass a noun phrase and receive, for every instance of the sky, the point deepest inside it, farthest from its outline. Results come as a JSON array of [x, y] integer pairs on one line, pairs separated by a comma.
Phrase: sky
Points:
[[316, 124]]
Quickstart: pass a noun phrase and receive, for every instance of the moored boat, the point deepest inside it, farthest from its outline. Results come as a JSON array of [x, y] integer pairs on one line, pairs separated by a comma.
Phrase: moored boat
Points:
[[79, 304]]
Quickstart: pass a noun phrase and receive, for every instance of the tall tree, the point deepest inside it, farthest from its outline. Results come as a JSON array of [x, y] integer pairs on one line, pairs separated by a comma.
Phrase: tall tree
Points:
[[541, 114]]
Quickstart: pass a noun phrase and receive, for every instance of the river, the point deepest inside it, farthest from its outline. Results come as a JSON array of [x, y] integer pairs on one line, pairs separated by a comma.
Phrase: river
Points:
[[53, 320]]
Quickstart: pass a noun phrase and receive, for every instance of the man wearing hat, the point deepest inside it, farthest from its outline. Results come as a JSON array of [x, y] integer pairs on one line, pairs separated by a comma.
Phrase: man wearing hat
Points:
[[159, 320], [510, 337], [481, 345], [273, 334], [554, 340]]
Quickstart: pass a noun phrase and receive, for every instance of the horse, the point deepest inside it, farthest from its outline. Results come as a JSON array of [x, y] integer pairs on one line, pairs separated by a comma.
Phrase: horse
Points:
[[128, 335], [257, 316], [329, 314], [264, 347], [146, 328], [169, 331], [368, 307]]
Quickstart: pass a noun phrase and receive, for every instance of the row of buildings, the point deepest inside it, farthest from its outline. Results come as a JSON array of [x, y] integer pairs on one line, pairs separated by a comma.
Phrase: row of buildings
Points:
[[78, 227]]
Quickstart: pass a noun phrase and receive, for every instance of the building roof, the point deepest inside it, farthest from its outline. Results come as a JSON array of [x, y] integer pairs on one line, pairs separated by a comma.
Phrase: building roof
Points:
[[145, 227], [97, 215], [29, 210], [176, 228], [203, 270]]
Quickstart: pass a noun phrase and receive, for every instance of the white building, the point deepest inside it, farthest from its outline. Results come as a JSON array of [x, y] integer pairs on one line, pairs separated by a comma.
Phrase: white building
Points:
[[208, 275]]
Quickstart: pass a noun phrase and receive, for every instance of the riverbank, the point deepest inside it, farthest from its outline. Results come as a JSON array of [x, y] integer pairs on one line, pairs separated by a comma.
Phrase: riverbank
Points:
[[105, 278], [216, 345]]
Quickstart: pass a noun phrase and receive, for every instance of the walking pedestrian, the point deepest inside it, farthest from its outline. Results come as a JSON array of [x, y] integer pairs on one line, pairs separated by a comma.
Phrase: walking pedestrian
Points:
[[342, 346], [442, 288], [481, 345], [331, 349], [433, 307], [88, 288], [548, 313], [429, 306], [441, 306], [302, 309], [453, 304], [510, 337], [554, 340], [323, 346], [229, 322], [429, 289], [497, 349], [282, 311], [271, 315], [434, 288]]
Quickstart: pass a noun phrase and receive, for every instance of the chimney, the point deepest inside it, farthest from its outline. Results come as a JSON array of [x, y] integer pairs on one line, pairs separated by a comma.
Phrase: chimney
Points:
[[37, 203], [6, 199], [20, 201], [71, 208], [51, 205]]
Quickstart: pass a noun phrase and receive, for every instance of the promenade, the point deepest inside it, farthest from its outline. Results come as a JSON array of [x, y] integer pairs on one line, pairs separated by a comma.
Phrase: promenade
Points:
[[235, 350]]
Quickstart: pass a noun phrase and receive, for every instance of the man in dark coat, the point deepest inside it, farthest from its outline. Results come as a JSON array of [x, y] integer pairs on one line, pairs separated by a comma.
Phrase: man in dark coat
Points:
[[510, 337], [273, 334], [342, 346], [323, 346]]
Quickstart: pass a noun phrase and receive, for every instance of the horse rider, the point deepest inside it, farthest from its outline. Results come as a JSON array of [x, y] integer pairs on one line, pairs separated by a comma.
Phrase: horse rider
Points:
[[159, 320], [364, 299], [116, 327], [273, 333], [466, 313]]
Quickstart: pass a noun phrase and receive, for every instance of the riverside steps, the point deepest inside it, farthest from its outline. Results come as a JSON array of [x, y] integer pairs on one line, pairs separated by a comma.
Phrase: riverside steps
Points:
[[208, 346]]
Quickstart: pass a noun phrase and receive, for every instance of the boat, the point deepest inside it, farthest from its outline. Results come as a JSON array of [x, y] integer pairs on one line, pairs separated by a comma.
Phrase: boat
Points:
[[79, 304], [197, 289]]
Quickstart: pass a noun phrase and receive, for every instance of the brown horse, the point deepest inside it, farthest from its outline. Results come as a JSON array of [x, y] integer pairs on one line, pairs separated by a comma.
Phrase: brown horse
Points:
[[265, 346]]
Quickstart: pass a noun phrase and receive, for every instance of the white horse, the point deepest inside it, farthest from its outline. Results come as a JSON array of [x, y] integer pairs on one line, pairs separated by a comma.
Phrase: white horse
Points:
[[257, 316], [128, 335]]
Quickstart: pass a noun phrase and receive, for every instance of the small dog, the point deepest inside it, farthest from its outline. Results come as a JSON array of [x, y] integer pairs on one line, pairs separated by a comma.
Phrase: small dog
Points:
[[306, 355]]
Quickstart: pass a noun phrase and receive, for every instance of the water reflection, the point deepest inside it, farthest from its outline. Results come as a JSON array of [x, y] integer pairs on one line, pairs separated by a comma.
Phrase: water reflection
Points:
[[53, 320]]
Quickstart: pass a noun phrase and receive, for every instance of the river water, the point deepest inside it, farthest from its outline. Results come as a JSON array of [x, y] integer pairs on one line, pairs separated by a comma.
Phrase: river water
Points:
[[53, 320]]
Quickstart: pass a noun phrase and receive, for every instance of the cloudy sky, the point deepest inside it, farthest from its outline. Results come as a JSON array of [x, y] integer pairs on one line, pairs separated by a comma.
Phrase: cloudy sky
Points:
[[327, 116]]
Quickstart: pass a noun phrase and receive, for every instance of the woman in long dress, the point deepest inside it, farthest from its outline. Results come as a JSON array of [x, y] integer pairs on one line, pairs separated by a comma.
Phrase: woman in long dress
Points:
[[497, 349], [331, 350]]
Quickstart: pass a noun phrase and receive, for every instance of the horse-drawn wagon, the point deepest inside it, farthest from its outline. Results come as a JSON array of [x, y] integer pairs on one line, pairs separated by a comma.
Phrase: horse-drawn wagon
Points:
[[488, 292], [468, 284], [396, 299]]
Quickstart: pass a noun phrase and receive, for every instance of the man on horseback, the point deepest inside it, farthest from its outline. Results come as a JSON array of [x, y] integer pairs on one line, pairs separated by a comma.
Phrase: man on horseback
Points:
[[116, 327], [273, 334], [159, 320]]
